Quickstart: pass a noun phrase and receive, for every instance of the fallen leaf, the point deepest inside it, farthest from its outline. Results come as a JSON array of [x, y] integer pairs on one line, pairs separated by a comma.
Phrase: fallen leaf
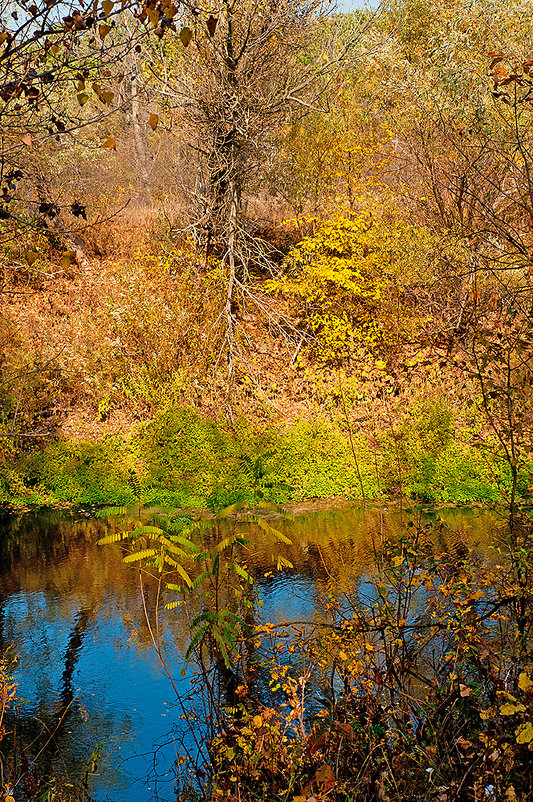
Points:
[[110, 143], [27, 140], [153, 121]]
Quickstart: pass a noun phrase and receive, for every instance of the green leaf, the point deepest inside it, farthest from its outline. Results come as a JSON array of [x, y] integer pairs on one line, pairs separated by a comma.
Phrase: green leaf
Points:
[[222, 646], [194, 640]]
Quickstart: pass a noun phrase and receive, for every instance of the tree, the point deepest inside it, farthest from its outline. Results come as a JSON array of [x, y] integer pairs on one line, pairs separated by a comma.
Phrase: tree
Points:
[[56, 62], [244, 74]]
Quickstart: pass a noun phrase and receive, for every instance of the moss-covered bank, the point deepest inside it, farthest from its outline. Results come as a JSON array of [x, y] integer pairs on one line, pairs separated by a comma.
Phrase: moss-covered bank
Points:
[[180, 458]]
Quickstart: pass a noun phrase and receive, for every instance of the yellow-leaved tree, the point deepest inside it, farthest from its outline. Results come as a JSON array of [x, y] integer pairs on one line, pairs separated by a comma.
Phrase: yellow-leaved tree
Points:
[[352, 282]]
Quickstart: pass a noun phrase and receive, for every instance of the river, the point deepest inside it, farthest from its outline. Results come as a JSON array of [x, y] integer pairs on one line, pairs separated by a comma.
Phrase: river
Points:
[[82, 654]]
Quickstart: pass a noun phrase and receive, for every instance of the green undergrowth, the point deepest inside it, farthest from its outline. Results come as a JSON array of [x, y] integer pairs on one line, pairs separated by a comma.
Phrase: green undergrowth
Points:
[[181, 459]]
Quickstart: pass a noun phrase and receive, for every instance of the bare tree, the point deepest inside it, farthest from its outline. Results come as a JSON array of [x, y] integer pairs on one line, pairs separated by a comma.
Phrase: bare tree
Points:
[[56, 63], [246, 71]]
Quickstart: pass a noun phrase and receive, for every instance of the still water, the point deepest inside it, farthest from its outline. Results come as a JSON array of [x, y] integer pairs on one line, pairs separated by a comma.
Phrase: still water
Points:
[[86, 668]]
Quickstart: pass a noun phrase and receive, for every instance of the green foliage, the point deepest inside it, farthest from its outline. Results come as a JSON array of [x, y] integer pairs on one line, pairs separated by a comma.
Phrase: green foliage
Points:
[[183, 551], [83, 473]]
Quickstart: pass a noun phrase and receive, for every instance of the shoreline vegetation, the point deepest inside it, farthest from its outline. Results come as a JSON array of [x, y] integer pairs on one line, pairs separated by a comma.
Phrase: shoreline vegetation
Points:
[[180, 459]]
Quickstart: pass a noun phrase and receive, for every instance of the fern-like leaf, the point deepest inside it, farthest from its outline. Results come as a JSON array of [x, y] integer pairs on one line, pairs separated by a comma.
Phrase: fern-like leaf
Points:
[[114, 538], [200, 632], [184, 575], [140, 555], [271, 531], [241, 572]]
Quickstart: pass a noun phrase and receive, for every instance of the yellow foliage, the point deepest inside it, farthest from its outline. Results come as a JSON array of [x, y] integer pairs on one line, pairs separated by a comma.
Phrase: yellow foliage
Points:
[[347, 280]]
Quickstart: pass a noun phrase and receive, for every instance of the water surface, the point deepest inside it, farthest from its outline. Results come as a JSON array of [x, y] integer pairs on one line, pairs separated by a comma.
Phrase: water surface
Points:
[[86, 667]]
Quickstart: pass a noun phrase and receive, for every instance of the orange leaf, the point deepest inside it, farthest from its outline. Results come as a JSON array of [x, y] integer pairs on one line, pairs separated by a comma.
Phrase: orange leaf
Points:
[[110, 143], [153, 121]]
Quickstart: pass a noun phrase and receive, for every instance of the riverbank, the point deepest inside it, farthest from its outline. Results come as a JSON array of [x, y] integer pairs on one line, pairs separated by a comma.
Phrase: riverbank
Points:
[[183, 459]]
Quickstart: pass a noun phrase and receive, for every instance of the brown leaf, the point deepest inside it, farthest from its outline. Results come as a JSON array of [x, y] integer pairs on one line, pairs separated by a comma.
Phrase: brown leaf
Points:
[[106, 97], [325, 775], [153, 121], [110, 143], [107, 7], [211, 25], [153, 16], [103, 30], [27, 141], [464, 690], [185, 36], [495, 61]]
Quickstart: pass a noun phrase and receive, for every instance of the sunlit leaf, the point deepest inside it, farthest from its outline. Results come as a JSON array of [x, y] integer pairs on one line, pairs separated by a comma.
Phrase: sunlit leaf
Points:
[[110, 143], [524, 682], [509, 709], [140, 555], [524, 733], [184, 575]]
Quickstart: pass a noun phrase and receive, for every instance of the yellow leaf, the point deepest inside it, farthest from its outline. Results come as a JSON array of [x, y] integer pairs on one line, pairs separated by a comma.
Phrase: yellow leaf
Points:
[[524, 683], [524, 733], [31, 257], [257, 722], [68, 258], [107, 7], [509, 709]]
